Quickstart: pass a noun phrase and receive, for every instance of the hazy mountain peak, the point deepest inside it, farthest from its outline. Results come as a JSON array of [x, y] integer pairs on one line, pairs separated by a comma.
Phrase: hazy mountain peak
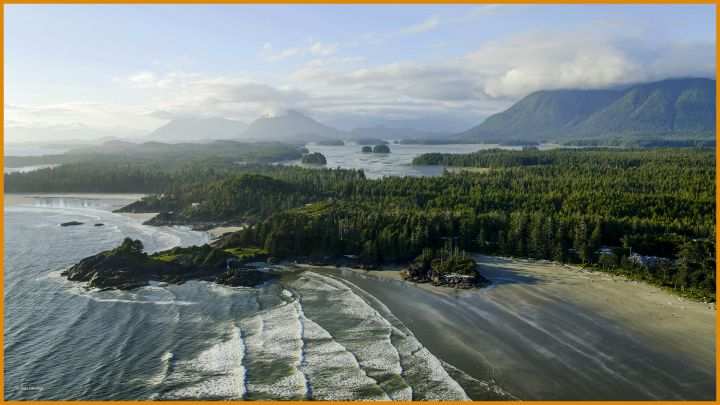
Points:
[[290, 126], [197, 129], [673, 106]]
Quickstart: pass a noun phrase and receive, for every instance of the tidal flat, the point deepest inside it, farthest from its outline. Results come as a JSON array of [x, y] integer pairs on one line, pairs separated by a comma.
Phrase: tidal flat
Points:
[[548, 331]]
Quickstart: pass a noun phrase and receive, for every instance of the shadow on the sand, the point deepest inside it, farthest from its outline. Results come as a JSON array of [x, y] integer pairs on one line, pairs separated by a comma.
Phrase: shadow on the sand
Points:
[[500, 277]]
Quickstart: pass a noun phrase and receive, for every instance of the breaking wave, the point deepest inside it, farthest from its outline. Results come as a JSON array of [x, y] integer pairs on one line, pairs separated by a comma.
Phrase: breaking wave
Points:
[[327, 340]]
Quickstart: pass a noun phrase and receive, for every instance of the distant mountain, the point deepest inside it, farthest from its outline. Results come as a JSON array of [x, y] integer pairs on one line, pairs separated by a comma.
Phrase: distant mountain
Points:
[[383, 132], [197, 130], [65, 134], [668, 108], [291, 127]]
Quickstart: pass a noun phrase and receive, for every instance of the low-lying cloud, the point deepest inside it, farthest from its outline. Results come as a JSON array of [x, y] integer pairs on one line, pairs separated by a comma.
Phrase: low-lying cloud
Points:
[[335, 86]]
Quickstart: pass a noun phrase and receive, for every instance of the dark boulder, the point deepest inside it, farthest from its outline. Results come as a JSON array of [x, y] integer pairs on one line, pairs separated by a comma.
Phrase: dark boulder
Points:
[[244, 277]]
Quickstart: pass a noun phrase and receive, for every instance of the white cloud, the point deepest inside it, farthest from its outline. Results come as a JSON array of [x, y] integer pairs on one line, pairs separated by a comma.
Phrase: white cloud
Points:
[[313, 49], [142, 78], [518, 66], [334, 86], [321, 49], [425, 26]]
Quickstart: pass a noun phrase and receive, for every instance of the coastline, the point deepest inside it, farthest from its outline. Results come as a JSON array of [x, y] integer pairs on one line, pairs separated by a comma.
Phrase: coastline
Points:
[[541, 324], [219, 231], [25, 198], [16, 199]]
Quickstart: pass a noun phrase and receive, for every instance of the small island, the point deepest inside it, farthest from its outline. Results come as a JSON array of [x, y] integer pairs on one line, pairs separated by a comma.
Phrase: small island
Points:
[[451, 268], [366, 149], [382, 148], [128, 267], [314, 158]]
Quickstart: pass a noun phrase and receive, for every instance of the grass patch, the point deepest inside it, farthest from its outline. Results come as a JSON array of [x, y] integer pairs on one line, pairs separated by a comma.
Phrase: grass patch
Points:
[[167, 258], [246, 252]]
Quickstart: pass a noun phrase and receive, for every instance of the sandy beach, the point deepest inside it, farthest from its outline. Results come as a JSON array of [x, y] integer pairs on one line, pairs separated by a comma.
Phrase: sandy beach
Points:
[[547, 331], [29, 198]]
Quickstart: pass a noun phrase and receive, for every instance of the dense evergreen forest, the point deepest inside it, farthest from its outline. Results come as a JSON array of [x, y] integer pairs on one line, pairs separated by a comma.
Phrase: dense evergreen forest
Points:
[[649, 214], [166, 153], [596, 207], [121, 167]]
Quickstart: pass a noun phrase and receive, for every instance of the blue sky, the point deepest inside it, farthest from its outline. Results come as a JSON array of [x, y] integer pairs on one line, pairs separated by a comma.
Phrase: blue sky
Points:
[[131, 68]]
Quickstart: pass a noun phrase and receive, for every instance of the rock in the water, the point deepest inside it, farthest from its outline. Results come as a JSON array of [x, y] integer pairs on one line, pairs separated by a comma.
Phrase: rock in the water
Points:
[[128, 266], [125, 267], [99, 224], [314, 159], [71, 223]]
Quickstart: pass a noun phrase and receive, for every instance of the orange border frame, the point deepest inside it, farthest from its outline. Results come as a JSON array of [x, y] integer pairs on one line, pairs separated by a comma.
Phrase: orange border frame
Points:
[[408, 2]]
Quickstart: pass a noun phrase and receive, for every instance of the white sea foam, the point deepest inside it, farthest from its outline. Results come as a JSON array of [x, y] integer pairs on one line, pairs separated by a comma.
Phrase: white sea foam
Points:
[[217, 372], [124, 297], [420, 368], [165, 363], [333, 372], [329, 341], [358, 328], [273, 343]]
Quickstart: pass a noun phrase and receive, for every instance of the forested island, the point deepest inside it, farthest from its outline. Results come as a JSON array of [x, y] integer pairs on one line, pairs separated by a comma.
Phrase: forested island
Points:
[[315, 158], [646, 214]]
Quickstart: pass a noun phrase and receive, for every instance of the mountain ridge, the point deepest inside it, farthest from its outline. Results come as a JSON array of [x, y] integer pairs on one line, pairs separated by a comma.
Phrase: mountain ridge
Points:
[[197, 130], [664, 108], [293, 127]]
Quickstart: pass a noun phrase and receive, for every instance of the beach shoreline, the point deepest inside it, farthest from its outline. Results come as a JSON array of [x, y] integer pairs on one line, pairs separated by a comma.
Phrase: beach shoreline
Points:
[[541, 324], [18, 199], [10, 199]]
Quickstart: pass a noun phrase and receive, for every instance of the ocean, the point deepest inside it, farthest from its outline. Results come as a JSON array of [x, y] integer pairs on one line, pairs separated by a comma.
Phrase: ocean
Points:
[[399, 161], [308, 335]]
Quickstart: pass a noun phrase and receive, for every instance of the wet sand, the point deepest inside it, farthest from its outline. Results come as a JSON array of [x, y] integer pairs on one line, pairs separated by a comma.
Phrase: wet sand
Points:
[[544, 331]]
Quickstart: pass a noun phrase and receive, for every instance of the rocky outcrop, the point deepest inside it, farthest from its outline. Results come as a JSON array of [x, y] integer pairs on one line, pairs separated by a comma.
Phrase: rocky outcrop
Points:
[[127, 267], [244, 277], [71, 223], [116, 270], [455, 271]]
